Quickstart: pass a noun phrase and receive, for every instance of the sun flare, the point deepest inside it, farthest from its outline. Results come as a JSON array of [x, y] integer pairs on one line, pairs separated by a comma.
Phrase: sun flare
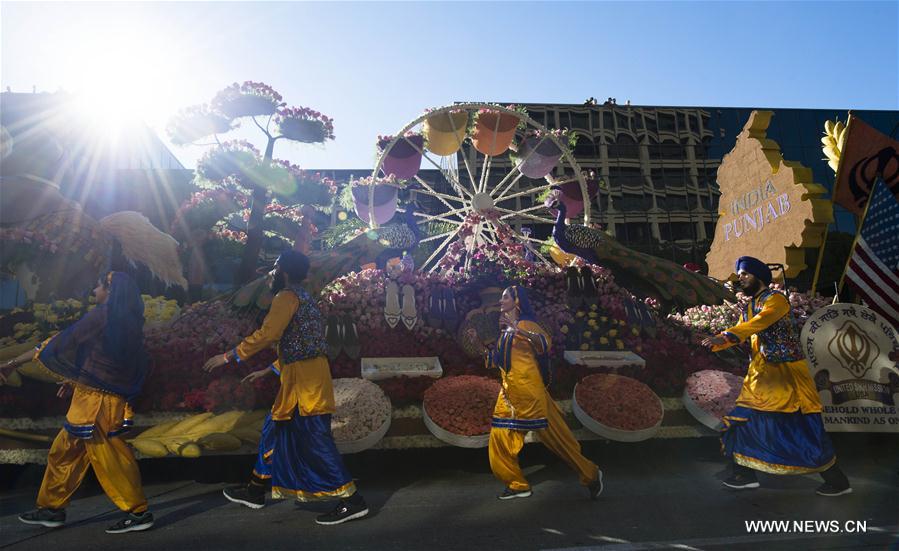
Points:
[[117, 75]]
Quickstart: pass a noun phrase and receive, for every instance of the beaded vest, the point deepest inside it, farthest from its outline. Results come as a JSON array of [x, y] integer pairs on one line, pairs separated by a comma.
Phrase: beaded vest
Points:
[[304, 338], [780, 341]]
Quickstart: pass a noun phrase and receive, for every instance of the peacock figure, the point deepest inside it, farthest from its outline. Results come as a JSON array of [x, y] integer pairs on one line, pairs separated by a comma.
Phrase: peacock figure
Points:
[[640, 273]]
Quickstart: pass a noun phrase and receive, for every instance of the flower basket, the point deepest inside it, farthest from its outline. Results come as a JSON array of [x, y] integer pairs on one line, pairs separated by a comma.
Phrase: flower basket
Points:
[[493, 132], [304, 125], [458, 410], [618, 408], [383, 207], [247, 105], [303, 130], [572, 197], [709, 395], [248, 99], [543, 159], [452, 438], [445, 132], [404, 158], [366, 442], [362, 415]]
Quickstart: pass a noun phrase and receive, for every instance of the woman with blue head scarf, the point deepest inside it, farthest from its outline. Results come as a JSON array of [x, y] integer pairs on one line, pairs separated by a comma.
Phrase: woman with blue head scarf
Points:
[[102, 358], [522, 355]]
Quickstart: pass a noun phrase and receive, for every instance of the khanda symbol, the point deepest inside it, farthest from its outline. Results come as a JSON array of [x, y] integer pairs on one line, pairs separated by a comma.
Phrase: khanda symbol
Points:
[[884, 163], [854, 350]]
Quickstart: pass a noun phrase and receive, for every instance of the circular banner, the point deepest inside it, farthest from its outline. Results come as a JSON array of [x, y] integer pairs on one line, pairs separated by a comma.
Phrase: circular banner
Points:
[[848, 349]]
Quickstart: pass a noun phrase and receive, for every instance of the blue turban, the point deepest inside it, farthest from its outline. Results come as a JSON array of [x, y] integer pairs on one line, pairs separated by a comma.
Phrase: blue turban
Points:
[[755, 267], [295, 264]]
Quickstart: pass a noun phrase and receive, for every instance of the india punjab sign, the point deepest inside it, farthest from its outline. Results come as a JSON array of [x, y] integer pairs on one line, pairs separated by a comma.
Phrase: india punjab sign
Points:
[[769, 207], [848, 350]]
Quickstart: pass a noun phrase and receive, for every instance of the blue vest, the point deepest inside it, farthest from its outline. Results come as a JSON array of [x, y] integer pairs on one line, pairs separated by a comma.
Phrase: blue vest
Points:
[[304, 337], [780, 341]]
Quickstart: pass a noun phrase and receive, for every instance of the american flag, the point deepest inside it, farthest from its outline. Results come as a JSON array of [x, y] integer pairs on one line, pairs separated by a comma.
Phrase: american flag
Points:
[[873, 268]]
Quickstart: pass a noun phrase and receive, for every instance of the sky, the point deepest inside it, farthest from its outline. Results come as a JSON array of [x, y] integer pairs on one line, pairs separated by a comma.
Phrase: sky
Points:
[[376, 66]]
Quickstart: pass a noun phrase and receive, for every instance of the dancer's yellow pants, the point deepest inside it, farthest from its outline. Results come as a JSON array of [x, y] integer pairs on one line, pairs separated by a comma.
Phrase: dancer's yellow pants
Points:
[[112, 459], [505, 444]]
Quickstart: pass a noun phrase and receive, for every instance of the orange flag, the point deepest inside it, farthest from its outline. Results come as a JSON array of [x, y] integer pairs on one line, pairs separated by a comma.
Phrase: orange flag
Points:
[[866, 155]]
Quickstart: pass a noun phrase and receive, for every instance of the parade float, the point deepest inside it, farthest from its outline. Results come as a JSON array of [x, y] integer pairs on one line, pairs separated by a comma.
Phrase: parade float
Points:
[[399, 293]]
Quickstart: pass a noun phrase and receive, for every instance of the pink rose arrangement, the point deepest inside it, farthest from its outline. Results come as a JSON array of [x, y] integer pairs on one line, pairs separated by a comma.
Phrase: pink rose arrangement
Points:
[[715, 392]]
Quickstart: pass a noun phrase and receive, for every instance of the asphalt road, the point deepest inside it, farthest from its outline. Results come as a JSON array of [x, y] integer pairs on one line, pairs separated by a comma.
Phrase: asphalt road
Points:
[[660, 494]]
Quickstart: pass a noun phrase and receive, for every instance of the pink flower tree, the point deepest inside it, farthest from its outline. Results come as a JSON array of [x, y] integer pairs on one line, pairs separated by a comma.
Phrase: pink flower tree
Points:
[[270, 196]]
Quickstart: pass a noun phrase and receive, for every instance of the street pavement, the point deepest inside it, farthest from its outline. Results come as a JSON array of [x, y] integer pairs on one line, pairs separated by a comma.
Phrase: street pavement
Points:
[[659, 494]]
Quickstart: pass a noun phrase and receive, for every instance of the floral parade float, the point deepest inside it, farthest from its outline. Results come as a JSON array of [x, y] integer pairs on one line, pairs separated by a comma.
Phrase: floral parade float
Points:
[[621, 304]]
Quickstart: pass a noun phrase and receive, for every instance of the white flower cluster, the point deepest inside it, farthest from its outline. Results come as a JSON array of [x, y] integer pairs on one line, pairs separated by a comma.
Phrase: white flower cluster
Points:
[[362, 408]]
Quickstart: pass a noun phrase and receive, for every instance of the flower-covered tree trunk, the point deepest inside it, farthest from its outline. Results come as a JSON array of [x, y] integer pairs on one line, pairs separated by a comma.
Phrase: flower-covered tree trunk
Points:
[[255, 235]]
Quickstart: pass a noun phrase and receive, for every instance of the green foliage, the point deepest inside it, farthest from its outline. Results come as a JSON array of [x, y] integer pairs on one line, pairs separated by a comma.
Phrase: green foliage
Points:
[[340, 233], [424, 250]]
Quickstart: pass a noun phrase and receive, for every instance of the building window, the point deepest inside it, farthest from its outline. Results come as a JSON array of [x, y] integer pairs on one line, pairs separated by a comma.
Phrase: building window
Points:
[[673, 177], [607, 122], [677, 202], [630, 202], [631, 177], [666, 123], [628, 147], [694, 123], [585, 149], [677, 231], [634, 231], [672, 150], [580, 121]]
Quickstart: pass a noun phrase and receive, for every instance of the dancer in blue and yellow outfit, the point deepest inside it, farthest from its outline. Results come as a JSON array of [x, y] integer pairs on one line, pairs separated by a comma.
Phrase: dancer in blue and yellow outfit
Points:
[[296, 451], [524, 404], [776, 426], [102, 356]]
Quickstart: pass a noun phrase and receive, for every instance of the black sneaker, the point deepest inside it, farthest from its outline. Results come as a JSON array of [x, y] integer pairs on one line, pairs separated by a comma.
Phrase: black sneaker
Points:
[[595, 487], [51, 518], [509, 493], [243, 495], [833, 491], [343, 512], [132, 523], [741, 482]]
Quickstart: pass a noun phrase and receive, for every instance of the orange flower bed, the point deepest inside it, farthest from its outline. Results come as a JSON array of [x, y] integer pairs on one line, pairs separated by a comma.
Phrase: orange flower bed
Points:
[[462, 405], [619, 402]]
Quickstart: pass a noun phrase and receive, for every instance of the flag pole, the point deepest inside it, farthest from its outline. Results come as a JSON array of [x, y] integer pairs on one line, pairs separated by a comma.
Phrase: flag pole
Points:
[[833, 195], [858, 232]]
